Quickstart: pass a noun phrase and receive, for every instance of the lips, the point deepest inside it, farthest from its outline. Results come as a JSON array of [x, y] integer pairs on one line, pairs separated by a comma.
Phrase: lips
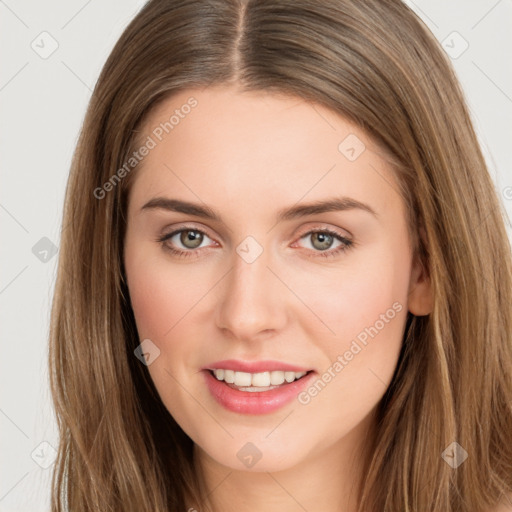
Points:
[[255, 402]]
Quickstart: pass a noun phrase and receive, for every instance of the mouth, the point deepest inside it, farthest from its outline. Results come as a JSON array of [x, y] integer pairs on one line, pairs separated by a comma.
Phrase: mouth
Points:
[[255, 393]]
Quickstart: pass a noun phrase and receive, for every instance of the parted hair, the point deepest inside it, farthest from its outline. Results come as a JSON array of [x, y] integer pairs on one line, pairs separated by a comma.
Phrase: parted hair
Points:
[[376, 64]]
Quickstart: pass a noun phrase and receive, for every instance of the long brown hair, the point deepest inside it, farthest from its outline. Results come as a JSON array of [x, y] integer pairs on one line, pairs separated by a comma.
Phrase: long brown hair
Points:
[[375, 63]]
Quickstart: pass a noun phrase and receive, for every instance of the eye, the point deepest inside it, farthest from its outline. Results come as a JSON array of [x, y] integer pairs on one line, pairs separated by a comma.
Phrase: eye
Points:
[[323, 239], [187, 239]]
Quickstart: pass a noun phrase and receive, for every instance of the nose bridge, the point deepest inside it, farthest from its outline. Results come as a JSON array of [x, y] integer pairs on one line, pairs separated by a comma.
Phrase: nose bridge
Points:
[[250, 302]]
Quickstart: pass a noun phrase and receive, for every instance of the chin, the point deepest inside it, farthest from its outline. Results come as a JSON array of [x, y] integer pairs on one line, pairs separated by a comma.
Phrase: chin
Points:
[[255, 456]]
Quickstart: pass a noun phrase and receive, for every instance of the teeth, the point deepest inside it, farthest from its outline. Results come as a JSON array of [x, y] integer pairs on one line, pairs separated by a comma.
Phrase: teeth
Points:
[[260, 380], [289, 376], [276, 378], [263, 379], [242, 379]]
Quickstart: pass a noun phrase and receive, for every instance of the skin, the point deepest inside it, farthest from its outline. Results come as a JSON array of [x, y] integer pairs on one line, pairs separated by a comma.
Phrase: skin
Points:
[[248, 155]]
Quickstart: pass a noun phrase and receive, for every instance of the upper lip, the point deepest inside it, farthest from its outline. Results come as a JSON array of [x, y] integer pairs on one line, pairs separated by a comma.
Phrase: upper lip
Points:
[[254, 366]]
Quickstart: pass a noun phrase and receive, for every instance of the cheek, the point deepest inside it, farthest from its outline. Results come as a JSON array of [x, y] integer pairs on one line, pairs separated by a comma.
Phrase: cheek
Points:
[[161, 294], [346, 299], [363, 304]]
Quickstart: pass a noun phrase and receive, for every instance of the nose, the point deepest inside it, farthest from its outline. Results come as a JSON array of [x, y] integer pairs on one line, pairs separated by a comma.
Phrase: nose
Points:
[[252, 302]]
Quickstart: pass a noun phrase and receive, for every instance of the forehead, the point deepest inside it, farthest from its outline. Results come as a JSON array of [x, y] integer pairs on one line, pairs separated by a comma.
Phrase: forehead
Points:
[[220, 142]]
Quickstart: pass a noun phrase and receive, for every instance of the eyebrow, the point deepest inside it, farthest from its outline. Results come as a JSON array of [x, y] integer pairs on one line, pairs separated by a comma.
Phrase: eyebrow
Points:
[[294, 212]]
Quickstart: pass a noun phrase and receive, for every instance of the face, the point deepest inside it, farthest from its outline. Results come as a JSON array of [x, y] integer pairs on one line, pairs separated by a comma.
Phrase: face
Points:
[[266, 284]]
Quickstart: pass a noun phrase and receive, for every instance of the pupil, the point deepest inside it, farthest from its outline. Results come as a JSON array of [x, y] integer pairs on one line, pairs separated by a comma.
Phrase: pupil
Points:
[[191, 239], [324, 238]]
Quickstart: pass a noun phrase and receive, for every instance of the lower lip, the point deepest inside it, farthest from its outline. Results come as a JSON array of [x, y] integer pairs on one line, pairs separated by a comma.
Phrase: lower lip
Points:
[[257, 402]]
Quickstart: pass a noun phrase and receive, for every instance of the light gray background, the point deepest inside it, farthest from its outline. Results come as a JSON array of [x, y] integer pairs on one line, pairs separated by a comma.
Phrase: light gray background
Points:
[[43, 101]]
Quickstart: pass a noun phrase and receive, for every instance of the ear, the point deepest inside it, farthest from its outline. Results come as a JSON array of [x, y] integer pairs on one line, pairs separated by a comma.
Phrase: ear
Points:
[[420, 300]]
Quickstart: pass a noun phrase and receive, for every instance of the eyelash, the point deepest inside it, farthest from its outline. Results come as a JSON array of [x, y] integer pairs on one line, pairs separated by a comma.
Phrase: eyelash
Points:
[[346, 243]]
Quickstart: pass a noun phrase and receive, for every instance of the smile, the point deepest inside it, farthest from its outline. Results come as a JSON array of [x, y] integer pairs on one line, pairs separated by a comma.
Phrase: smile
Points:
[[255, 393]]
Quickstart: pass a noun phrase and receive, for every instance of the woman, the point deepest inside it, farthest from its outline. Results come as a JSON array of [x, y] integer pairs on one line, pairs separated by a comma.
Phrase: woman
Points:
[[290, 273]]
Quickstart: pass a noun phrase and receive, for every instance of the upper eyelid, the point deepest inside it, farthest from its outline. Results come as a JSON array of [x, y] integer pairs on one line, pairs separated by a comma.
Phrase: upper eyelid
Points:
[[177, 230], [306, 231]]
